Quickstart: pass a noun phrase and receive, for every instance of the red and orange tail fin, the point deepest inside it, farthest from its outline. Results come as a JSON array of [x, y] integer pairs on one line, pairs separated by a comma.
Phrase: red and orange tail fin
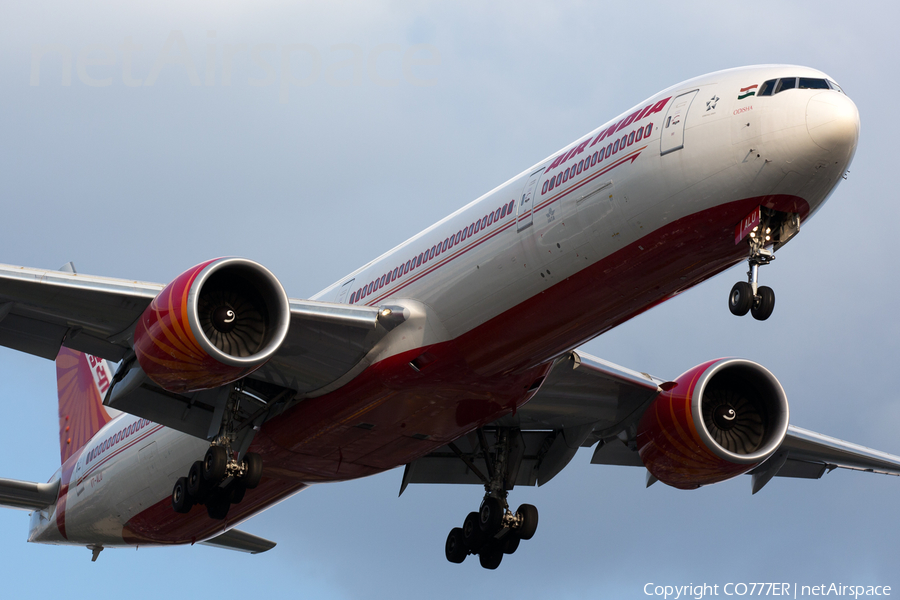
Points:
[[82, 381]]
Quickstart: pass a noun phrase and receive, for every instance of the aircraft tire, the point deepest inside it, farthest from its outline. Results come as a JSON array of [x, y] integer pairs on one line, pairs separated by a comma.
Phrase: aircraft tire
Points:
[[765, 303], [529, 514], [181, 498], [455, 548], [490, 516], [253, 463], [740, 300], [195, 483], [217, 506], [214, 464], [490, 558], [510, 543], [238, 491], [472, 534]]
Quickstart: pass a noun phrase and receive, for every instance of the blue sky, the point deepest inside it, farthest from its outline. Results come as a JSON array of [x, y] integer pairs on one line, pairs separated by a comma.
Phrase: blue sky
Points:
[[402, 113]]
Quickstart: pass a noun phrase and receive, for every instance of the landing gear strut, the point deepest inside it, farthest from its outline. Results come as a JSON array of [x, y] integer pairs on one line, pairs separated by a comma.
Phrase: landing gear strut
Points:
[[220, 479], [494, 530]]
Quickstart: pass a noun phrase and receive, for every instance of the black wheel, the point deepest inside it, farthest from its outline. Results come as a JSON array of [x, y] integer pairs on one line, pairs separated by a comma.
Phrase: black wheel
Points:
[[253, 464], [472, 534], [214, 464], [491, 515], [529, 515], [490, 558], [740, 300], [455, 549], [765, 303], [238, 491], [217, 506], [181, 499], [510, 543], [195, 484]]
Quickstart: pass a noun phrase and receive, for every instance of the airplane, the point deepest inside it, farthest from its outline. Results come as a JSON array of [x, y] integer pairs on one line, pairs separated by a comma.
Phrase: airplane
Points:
[[455, 354]]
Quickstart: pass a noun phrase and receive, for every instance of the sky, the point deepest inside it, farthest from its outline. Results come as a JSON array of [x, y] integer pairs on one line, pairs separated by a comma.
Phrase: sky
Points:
[[312, 137]]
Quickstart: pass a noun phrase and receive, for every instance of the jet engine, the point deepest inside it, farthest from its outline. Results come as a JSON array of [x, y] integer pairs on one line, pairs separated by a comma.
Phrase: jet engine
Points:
[[714, 422], [215, 323]]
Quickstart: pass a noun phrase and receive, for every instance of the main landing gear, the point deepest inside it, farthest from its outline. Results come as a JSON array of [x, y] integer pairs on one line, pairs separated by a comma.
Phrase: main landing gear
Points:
[[217, 481], [494, 530], [223, 476], [491, 532]]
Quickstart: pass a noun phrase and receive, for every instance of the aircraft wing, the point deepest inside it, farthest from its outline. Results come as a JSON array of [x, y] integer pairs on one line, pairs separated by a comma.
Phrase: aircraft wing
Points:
[[234, 539], [587, 401], [583, 400], [41, 310], [26, 495]]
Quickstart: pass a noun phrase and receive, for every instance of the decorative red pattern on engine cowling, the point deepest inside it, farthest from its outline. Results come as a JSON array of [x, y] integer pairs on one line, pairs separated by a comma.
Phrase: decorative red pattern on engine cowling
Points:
[[678, 450], [167, 348]]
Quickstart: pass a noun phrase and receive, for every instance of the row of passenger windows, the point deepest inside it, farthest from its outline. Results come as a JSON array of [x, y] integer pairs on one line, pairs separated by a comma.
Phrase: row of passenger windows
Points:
[[115, 438], [774, 86], [597, 157], [434, 252]]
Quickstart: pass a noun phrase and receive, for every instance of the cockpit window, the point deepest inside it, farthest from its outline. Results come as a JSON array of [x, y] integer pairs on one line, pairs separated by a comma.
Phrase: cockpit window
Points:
[[786, 83], [768, 88], [774, 86], [807, 83]]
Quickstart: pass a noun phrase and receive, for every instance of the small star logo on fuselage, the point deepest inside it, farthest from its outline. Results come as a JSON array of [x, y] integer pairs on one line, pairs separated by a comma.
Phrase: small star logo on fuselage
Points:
[[711, 103]]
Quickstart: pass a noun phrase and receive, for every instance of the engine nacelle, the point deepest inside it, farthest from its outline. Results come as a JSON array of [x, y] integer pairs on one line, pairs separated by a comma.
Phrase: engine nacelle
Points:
[[214, 324], [719, 420]]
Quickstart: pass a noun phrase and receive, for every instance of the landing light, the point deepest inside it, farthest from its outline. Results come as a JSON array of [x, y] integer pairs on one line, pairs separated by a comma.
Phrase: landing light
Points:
[[386, 312]]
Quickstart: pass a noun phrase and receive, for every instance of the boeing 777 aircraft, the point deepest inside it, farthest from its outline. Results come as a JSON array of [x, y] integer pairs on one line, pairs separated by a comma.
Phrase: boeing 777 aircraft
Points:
[[455, 353]]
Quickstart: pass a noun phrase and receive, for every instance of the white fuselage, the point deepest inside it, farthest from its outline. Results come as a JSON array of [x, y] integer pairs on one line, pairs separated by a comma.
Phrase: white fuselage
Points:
[[707, 145]]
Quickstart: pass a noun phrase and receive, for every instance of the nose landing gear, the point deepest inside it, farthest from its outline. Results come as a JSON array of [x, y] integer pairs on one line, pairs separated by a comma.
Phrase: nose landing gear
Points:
[[758, 300], [765, 228]]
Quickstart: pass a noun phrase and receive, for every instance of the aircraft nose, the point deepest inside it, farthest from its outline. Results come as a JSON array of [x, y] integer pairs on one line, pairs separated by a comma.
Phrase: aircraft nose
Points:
[[833, 121]]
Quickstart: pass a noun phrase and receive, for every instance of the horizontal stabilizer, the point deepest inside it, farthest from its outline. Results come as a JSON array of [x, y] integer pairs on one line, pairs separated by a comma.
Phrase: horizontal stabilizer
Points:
[[241, 541], [26, 495]]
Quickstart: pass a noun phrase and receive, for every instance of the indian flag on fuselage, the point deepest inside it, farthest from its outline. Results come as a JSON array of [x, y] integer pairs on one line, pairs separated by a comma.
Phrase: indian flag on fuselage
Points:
[[748, 91]]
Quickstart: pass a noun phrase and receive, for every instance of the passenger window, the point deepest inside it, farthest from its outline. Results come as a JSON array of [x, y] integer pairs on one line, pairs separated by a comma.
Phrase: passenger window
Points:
[[788, 83], [768, 88], [808, 83]]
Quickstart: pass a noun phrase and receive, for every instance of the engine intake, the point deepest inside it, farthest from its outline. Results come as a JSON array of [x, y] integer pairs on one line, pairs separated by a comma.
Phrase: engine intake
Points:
[[215, 323], [719, 420]]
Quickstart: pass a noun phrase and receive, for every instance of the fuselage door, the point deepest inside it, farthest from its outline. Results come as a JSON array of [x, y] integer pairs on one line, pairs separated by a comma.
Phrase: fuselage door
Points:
[[524, 207], [342, 295], [78, 476], [672, 137]]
